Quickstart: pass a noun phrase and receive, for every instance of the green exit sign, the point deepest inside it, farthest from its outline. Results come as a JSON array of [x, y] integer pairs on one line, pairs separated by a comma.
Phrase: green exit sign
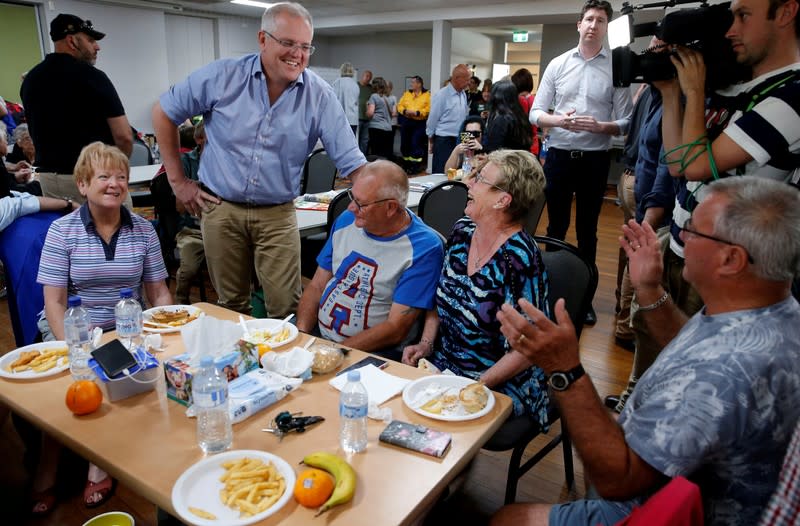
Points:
[[520, 36]]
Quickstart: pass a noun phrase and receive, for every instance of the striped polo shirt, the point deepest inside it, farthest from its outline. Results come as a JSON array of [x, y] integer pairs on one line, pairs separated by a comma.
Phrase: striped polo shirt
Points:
[[76, 258]]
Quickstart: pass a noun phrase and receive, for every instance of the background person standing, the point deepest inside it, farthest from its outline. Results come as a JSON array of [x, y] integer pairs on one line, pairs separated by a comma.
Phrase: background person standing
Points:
[[578, 84], [66, 92], [448, 110]]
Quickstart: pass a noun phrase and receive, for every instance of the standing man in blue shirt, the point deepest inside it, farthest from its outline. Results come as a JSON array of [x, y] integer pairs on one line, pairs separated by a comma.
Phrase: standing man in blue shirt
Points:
[[263, 115], [449, 108], [588, 112]]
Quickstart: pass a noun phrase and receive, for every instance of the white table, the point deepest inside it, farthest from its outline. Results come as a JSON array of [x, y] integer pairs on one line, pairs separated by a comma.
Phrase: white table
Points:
[[143, 174], [311, 222]]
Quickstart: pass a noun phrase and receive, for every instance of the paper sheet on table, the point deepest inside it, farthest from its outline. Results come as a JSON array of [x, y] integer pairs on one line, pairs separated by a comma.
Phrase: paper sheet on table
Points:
[[209, 336], [380, 386]]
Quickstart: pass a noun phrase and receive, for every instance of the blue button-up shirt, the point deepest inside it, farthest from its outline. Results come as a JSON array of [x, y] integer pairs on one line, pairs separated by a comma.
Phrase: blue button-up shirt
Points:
[[449, 108], [255, 150]]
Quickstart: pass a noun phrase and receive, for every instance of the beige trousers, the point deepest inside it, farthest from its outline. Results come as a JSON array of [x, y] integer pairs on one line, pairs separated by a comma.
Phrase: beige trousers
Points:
[[238, 238]]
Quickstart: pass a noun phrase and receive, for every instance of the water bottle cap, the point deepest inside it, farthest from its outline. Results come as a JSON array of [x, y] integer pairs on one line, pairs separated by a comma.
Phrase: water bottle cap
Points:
[[125, 293], [354, 376], [205, 361], [74, 301]]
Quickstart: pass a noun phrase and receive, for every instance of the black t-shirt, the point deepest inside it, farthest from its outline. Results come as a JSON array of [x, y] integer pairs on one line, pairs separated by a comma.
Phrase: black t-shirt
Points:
[[67, 104]]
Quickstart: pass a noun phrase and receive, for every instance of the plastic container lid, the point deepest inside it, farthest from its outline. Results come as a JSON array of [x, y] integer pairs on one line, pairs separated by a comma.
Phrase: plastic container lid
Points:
[[354, 376], [126, 293], [73, 301]]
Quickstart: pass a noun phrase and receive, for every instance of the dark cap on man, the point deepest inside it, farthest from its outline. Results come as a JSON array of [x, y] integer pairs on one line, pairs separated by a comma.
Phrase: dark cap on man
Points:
[[64, 25]]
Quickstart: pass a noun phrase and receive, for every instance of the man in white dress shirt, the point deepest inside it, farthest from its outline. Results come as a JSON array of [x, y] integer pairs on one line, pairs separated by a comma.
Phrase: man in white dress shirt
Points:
[[588, 112]]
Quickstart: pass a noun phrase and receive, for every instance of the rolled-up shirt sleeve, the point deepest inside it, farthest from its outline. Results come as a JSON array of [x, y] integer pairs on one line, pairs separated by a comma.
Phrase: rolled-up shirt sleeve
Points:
[[20, 204], [623, 109]]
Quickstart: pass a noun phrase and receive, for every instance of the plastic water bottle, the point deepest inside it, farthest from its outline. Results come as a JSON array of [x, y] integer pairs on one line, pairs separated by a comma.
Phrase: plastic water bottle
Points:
[[78, 338], [353, 403], [128, 315], [210, 399], [544, 148], [466, 165]]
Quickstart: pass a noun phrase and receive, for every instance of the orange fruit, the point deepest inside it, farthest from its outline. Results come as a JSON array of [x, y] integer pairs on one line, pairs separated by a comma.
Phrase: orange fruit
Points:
[[84, 397], [263, 348], [313, 487]]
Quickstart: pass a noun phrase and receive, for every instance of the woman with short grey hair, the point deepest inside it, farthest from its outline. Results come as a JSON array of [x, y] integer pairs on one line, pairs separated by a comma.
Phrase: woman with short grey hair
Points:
[[490, 260]]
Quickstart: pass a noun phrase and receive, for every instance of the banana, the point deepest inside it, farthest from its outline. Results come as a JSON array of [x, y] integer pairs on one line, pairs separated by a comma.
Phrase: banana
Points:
[[342, 473]]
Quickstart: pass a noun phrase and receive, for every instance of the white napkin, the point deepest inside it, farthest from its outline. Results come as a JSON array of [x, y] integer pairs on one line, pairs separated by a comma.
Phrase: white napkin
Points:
[[209, 336], [380, 386]]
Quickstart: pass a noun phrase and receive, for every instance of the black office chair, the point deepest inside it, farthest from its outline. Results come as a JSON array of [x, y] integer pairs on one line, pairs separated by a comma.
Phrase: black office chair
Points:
[[140, 154], [574, 279], [534, 214], [310, 246], [319, 173], [442, 205]]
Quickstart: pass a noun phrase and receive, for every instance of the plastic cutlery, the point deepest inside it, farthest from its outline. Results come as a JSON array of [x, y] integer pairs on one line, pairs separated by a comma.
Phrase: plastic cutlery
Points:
[[244, 326]]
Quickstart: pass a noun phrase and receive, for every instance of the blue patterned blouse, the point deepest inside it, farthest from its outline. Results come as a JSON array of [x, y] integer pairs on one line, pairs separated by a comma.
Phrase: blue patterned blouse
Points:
[[469, 340]]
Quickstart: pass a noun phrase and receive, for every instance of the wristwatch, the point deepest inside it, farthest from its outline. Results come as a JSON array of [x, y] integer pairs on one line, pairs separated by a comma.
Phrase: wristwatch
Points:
[[68, 207], [561, 380]]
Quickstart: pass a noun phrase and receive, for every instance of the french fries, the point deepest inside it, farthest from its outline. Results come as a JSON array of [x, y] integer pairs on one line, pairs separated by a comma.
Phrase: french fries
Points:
[[281, 336], [38, 361], [251, 486], [203, 514]]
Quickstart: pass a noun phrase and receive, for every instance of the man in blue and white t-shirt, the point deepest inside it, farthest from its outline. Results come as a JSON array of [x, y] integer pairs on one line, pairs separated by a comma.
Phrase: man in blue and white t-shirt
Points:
[[379, 267]]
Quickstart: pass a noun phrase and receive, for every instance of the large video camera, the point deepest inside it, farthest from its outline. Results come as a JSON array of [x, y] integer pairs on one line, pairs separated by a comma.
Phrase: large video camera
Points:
[[702, 28]]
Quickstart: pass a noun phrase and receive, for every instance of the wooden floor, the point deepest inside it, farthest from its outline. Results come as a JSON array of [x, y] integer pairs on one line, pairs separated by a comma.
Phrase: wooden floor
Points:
[[483, 485]]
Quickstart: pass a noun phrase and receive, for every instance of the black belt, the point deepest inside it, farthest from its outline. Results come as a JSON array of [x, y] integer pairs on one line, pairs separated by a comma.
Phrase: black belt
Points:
[[211, 192], [578, 154]]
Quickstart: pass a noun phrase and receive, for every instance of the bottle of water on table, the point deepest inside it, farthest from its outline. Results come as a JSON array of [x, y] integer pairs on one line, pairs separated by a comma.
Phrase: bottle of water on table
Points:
[[210, 400], [128, 315], [78, 338], [353, 404]]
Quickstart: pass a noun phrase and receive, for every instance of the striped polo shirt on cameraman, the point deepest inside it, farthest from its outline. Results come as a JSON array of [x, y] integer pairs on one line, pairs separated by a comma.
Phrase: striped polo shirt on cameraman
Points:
[[76, 258]]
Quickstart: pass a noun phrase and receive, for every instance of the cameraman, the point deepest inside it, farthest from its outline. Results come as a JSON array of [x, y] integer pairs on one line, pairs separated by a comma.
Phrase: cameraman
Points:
[[752, 128]]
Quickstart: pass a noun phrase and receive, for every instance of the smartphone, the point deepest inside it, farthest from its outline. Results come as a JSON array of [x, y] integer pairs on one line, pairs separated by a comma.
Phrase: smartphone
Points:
[[374, 360], [466, 137], [113, 358]]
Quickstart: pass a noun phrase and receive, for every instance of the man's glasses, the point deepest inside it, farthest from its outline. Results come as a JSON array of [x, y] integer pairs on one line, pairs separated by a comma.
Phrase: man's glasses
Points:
[[362, 206], [481, 179], [687, 227], [288, 44]]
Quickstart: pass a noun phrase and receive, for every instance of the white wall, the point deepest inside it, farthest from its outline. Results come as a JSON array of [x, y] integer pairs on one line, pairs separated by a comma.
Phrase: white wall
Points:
[[393, 55], [132, 53]]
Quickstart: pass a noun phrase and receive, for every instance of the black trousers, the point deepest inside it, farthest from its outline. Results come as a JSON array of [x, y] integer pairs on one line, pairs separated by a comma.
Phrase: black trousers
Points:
[[442, 148], [583, 174], [413, 141]]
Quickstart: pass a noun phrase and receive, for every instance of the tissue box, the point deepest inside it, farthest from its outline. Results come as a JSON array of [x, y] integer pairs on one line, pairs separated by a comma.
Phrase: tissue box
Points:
[[179, 373], [143, 377]]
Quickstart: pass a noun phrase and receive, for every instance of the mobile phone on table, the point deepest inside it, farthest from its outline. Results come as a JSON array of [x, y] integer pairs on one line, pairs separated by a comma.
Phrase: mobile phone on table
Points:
[[369, 360], [113, 358]]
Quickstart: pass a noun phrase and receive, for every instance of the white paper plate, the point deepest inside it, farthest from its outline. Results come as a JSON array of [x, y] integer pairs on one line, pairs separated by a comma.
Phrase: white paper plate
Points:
[[146, 315], [32, 375], [199, 487], [441, 384], [269, 324]]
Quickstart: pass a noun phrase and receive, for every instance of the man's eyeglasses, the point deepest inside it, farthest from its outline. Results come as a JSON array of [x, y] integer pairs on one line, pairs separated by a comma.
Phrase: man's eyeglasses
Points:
[[362, 206], [687, 227], [288, 44], [481, 179]]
